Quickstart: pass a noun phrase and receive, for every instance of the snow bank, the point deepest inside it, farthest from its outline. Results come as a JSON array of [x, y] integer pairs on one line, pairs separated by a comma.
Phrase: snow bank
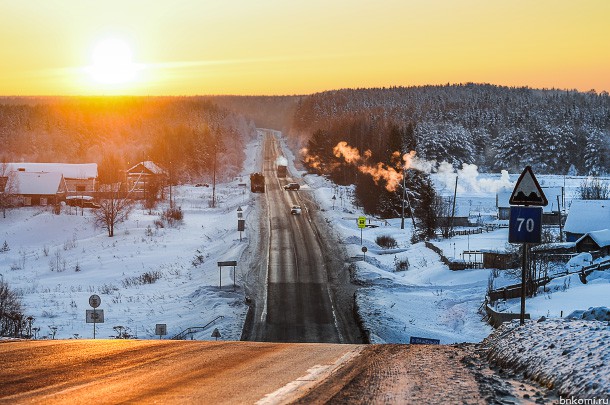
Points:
[[570, 356]]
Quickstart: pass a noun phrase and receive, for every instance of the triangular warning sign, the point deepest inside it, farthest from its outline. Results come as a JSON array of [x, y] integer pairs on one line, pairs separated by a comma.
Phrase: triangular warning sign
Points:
[[527, 190]]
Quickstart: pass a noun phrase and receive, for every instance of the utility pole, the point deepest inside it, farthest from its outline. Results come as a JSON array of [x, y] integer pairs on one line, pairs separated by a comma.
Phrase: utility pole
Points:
[[214, 175], [402, 214]]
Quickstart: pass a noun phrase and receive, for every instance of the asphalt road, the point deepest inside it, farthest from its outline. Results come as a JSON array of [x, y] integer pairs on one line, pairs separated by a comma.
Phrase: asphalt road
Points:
[[157, 371], [198, 372], [297, 305]]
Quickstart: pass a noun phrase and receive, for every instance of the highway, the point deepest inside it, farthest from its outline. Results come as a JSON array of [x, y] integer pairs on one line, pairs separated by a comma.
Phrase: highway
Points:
[[297, 305], [161, 371]]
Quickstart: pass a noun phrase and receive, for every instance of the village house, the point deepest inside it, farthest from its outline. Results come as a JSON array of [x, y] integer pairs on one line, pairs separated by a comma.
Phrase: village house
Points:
[[460, 218], [596, 242], [145, 177], [80, 178], [550, 213], [586, 216], [35, 188]]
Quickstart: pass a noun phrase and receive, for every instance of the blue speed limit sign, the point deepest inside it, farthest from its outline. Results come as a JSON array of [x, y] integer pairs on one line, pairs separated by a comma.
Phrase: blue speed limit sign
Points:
[[525, 225]]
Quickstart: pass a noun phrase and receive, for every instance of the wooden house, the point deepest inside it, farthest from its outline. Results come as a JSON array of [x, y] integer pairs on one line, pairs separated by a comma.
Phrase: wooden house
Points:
[[597, 243], [586, 216], [551, 214], [36, 188], [460, 217], [145, 177], [79, 178]]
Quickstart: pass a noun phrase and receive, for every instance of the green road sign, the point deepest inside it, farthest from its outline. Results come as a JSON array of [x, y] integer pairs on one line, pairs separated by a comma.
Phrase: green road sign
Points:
[[361, 222]]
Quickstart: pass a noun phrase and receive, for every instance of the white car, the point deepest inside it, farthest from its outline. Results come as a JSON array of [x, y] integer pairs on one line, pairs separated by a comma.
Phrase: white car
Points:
[[295, 210]]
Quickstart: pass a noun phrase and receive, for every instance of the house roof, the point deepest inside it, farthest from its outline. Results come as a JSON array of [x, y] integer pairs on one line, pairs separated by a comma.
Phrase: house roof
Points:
[[551, 194], [34, 183], [69, 170], [588, 216], [461, 211], [149, 165], [602, 237]]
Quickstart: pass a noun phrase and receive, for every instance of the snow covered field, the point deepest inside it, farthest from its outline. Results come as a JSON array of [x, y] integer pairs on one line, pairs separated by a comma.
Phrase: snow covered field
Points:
[[426, 300], [56, 262]]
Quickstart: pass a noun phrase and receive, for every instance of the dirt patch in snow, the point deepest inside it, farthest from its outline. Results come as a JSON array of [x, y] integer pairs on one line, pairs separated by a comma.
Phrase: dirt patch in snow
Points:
[[423, 374]]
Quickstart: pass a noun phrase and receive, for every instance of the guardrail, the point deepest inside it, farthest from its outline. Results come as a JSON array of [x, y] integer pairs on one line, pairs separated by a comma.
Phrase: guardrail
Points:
[[194, 329]]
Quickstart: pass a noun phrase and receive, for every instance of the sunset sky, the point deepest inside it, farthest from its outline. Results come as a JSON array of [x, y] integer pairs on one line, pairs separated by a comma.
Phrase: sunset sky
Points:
[[180, 47]]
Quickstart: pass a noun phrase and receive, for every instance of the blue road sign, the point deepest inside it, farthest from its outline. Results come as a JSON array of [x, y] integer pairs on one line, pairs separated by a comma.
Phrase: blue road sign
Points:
[[525, 225], [423, 341]]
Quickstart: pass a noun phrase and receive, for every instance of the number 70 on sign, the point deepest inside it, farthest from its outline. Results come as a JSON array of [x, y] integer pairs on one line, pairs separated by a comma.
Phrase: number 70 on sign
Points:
[[525, 225]]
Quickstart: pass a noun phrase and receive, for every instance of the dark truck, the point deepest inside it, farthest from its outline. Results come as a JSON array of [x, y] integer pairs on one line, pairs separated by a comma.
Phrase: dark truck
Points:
[[257, 183], [282, 171]]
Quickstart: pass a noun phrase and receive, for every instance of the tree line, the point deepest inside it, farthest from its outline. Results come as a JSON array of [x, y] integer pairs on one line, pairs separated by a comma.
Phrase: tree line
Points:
[[184, 135], [495, 127]]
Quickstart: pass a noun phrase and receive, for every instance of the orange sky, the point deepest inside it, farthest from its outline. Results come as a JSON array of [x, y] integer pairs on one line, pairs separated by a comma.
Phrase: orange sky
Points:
[[192, 47]]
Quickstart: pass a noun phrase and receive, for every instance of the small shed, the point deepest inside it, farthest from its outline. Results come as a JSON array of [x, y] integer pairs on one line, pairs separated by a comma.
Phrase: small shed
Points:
[[498, 259], [36, 188], [597, 243], [586, 216]]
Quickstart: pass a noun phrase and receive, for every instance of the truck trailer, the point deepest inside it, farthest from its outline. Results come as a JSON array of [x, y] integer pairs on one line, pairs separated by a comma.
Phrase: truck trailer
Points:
[[282, 171], [257, 183]]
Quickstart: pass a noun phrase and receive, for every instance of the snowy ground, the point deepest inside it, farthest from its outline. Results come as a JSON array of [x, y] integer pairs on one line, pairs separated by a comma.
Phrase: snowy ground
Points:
[[570, 356], [47, 249]]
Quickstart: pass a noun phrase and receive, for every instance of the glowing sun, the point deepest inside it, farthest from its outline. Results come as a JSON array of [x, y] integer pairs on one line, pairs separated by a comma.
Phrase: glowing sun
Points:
[[112, 62]]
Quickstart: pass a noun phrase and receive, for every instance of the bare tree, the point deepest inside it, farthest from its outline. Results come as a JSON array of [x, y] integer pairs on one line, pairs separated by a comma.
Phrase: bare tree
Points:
[[593, 189], [10, 310], [113, 209]]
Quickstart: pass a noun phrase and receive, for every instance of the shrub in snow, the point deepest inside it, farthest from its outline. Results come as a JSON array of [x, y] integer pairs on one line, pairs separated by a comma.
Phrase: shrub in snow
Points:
[[150, 277], [401, 264], [386, 241], [5, 247], [107, 289], [172, 216], [198, 259]]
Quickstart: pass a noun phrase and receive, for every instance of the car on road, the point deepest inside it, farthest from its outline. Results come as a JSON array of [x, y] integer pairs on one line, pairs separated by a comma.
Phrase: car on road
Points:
[[292, 186], [295, 210]]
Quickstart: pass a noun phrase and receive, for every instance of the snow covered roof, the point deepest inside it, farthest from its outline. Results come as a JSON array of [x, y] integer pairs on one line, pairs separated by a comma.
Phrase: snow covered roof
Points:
[[34, 183], [602, 238], [587, 216], [69, 170], [551, 194], [149, 165], [461, 211]]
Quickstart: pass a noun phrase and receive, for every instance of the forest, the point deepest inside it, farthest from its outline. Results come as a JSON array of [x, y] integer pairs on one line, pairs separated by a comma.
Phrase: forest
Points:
[[494, 127], [186, 135], [366, 137]]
